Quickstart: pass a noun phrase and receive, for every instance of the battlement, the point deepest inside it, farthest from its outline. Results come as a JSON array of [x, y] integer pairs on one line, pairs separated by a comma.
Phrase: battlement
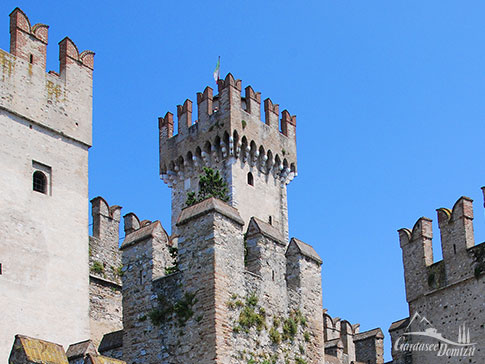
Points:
[[228, 127], [422, 275], [60, 101]]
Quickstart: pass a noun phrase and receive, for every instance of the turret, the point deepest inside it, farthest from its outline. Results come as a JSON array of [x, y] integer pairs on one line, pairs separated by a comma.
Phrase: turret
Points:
[[256, 157]]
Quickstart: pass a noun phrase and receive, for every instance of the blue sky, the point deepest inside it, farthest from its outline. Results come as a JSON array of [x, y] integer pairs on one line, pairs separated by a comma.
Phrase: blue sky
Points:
[[389, 98]]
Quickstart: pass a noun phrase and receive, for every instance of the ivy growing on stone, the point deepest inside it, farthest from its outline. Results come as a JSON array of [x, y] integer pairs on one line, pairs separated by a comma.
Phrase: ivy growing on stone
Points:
[[211, 184]]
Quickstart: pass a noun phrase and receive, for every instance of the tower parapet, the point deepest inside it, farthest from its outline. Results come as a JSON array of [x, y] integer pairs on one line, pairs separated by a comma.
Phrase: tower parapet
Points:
[[256, 158], [422, 275], [60, 101]]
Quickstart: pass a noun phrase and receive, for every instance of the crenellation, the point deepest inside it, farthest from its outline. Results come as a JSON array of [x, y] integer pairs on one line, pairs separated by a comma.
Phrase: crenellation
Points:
[[26, 42], [62, 101], [288, 124], [417, 255], [230, 137], [456, 228], [271, 113], [184, 115], [131, 223], [165, 126], [253, 102], [457, 238], [447, 293], [204, 105], [106, 220], [206, 293]]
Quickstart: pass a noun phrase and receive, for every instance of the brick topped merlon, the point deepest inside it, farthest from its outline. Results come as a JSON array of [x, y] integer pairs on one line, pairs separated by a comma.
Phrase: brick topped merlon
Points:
[[69, 54], [204, 104], [26, 42], [462, 208], [184, 115], [207, 206], [456, 225], [306, 250], [228, 127], [228, 82], [271, 113], [288, 124], [483, 191], [257, 226], [253, 102], [423, 228], [165, 126]]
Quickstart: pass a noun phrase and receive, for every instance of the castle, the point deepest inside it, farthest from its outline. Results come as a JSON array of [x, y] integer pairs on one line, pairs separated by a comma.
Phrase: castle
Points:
[[228, 285]]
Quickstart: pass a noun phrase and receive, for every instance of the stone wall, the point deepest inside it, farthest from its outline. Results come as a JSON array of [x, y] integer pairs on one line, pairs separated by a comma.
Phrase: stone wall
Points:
[[446, 296], [45, 127], [221, 306], [105, 270]]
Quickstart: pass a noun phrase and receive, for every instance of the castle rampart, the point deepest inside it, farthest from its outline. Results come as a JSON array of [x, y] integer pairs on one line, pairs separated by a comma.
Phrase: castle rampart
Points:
[[447, 295]]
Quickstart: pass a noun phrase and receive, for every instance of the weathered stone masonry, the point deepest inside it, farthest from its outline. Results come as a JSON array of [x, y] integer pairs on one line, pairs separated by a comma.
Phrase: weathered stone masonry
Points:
[[448, 293]]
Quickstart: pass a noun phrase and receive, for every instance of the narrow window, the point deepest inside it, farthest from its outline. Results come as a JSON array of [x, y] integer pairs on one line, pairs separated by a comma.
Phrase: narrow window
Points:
[[31, 60], [270, 220], [141, 277], [272, 275], [0, 269], [454, 248], [40, 182], [250, 179]]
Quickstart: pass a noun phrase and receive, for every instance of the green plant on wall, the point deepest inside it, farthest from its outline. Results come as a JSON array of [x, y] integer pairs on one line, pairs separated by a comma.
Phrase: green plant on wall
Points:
[[97, 267], [211, 184], [182, 310]]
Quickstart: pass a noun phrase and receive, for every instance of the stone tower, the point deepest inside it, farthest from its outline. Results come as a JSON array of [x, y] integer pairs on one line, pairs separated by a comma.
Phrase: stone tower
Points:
[[230, 288], [257, 159], [45, 134]]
